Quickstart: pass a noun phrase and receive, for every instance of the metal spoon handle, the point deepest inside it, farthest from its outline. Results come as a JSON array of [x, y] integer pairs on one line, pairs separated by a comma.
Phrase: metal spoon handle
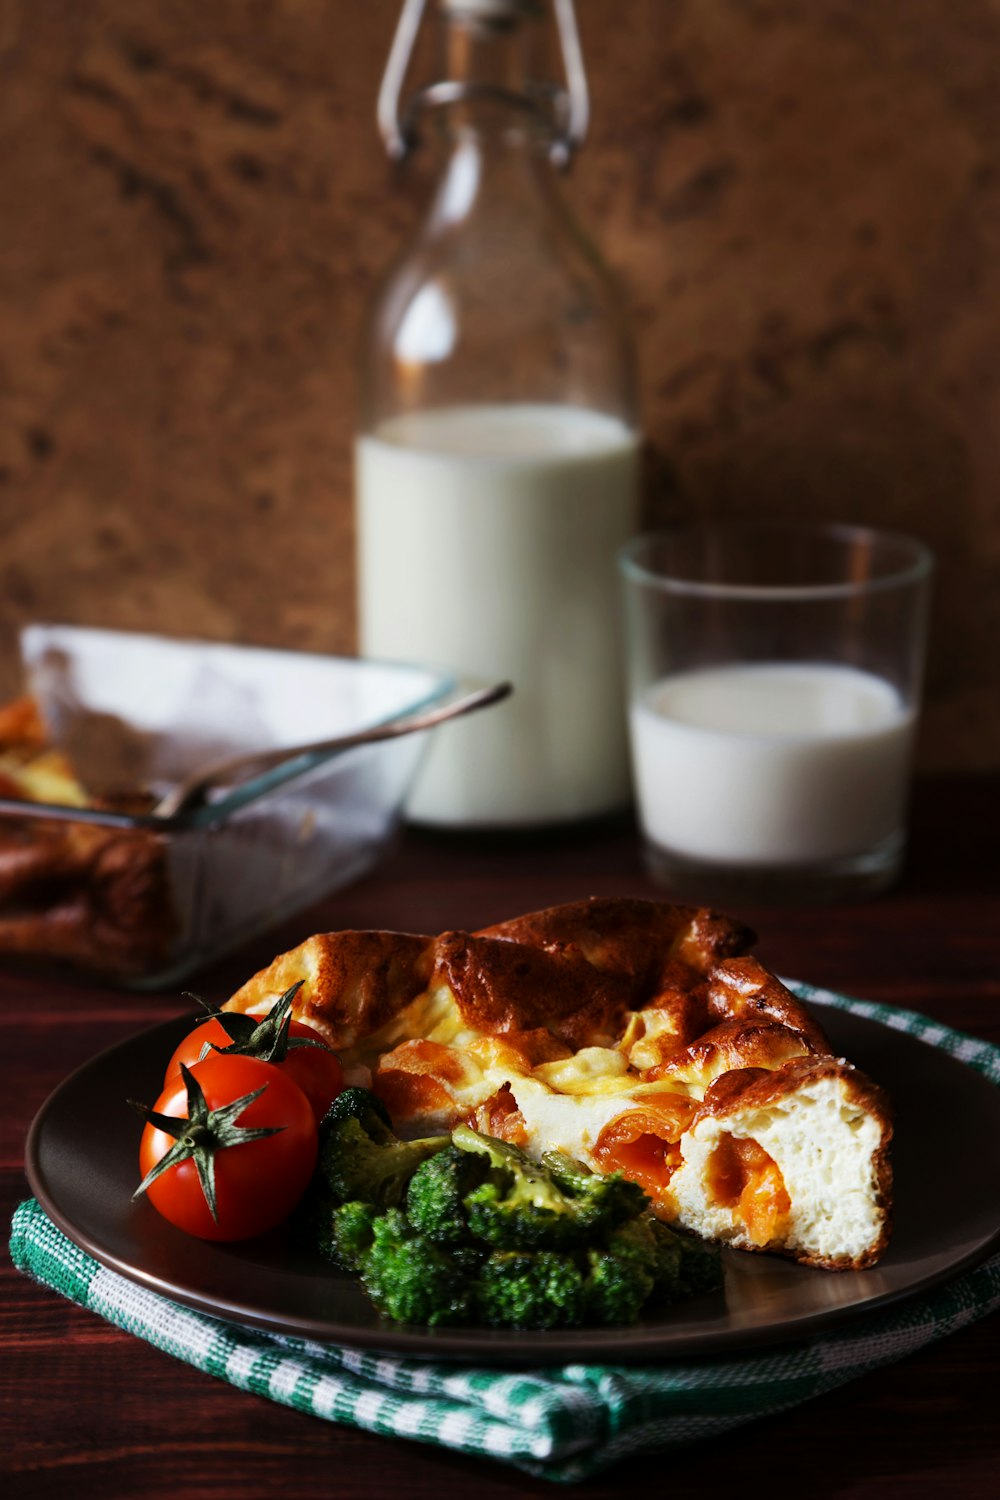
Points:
[[234, 766]]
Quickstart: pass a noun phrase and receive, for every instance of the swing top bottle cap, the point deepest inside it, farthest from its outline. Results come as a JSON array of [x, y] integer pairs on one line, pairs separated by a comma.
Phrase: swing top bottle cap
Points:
[[489, 10]]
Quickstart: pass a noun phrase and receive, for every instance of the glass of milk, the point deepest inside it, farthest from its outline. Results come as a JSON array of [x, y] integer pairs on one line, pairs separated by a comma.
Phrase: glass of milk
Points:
[[774, 684]]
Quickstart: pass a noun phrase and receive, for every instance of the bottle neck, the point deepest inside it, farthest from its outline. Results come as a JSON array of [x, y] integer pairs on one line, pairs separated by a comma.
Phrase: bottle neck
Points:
[[499, 298], [490, 61]]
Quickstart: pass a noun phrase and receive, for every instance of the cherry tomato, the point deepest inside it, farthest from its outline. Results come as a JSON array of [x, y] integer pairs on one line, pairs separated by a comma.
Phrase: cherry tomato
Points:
[[208, 1033], [257, 1182], [316, 1069]]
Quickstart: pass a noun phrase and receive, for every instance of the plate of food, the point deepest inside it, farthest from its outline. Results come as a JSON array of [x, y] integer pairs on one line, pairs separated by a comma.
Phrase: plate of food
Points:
[[811, 1164]]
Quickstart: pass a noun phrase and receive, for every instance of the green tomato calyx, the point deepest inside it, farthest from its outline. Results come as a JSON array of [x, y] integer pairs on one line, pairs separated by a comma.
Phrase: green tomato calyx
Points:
[[268, 1039], [200, 1135]]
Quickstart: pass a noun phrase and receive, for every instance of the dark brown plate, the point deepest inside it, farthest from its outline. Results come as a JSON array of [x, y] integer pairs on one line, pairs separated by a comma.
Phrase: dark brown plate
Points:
[[82, 1165]]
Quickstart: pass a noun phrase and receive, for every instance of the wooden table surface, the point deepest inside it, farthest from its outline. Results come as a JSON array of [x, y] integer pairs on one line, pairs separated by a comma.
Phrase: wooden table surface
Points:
[[88, 1411]]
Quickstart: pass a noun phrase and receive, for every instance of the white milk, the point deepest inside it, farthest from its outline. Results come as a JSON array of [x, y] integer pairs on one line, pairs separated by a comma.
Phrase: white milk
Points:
[[487, 538], [771, 763]]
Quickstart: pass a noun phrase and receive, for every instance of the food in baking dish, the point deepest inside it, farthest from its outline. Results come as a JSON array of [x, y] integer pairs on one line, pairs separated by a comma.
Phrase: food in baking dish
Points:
[[93, 896], [635, 1036]]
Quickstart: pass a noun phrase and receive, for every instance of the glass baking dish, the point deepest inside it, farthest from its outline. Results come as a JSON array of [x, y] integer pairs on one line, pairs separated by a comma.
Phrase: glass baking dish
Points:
[[145, 901]]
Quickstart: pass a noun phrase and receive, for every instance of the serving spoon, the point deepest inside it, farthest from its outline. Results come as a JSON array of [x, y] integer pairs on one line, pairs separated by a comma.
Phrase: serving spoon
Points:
[[235, 767]]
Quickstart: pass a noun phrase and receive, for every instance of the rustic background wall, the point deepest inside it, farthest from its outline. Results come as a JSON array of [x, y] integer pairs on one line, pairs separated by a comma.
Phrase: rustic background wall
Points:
[[802, 199]]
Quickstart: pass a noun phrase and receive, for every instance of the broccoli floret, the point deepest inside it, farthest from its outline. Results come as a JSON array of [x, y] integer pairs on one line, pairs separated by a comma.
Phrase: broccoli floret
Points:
[[617, 1287], [631, 1268], [599, 1200], [517, 1206], [521, 1212], [410, 1279], [524, 1205], [645, 1264], [650, 1245], [533, 1289], [348, 1235], [360, 1157], [680, 1265], [340, 1232], [700, 1266], [358, 1104], [669, 1252], [468, 1259], [435, 1203]]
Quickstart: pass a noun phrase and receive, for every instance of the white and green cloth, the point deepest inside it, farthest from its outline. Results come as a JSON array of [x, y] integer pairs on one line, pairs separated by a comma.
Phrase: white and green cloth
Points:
[[562, 1423]]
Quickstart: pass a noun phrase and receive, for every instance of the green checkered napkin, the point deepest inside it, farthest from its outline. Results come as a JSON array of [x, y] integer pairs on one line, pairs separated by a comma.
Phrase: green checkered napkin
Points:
[[563, 1423]]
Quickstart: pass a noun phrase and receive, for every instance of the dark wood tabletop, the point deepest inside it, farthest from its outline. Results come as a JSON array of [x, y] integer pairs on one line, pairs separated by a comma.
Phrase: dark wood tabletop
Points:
[[88, 1411]]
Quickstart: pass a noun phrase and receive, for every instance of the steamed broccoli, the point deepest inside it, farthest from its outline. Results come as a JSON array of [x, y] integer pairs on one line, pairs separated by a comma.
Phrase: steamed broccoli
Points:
[[409, 1279], [488, 1235], [629, 1266], [556, 1205], [617, 1287], [530, 1289], [700, 1265], [360, 1157], [599, 1200], [357, 1104], [650, 1246], [348, 1234], [435, 1198], [679, 1265]]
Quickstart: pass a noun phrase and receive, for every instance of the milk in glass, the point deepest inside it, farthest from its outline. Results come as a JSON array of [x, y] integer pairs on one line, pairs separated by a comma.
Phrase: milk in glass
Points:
[[771, 763]]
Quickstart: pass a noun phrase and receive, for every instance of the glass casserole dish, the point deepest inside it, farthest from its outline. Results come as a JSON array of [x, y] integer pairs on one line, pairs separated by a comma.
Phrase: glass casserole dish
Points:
[[101, 884]]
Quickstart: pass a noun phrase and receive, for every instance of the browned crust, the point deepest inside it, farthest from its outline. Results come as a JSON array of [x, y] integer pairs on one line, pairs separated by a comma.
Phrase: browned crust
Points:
[[352, 982], [74, 892], [502, 986], [767, 1086], [742, 989], [686, 1006], [22, 725], [575, 969], [735, 1044], [644, 941], [579, 968]]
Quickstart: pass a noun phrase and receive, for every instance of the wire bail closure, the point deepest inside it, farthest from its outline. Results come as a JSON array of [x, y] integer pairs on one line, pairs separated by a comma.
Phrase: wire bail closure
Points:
[[398, 122]]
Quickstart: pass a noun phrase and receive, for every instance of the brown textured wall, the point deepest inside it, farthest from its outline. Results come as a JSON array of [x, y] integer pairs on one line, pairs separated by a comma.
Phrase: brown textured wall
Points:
[[802, 197]]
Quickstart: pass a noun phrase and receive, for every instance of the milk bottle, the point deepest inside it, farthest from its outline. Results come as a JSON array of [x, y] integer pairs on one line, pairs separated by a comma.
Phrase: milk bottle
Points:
[[497, 466]]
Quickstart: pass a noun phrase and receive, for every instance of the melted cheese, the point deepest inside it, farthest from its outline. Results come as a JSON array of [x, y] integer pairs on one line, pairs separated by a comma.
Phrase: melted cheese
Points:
[[650, 1037], [563, 1122], [593, 1070]]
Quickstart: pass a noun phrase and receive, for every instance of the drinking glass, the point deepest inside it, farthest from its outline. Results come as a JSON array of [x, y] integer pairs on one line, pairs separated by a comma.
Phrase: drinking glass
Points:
[[774, 685]]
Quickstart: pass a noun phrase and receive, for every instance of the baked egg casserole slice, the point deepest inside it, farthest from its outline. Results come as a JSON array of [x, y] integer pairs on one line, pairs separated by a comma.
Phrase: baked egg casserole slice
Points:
[[633, 1035]]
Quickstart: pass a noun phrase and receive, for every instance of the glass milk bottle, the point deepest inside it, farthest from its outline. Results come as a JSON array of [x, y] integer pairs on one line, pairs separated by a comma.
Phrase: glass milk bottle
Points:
[[497, 465]]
